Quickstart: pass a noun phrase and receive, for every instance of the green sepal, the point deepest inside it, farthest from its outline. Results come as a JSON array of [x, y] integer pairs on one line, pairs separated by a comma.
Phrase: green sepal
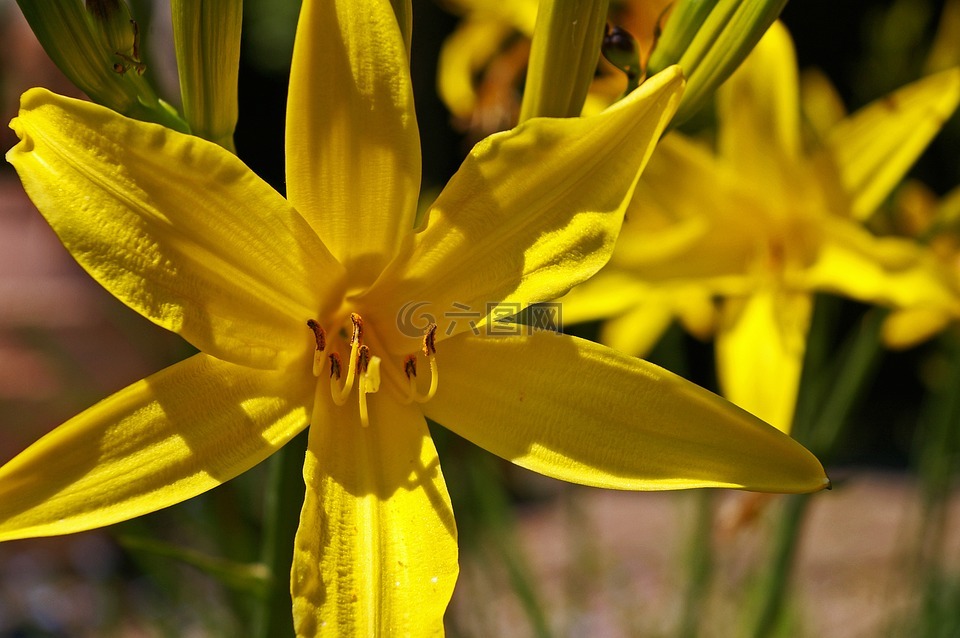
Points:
[[709, 39]]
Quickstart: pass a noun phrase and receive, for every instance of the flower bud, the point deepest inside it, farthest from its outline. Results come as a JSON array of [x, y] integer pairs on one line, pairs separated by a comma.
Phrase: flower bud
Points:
[[709, 39]]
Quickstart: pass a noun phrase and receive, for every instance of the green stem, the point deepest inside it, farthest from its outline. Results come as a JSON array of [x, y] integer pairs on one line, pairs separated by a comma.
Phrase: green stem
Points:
[[699, 563], [563, 57], [492, 507], [833, 390], [774, 585], [284, 499]]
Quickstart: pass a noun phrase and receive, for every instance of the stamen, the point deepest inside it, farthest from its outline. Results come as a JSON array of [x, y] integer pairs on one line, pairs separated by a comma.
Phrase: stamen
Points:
[[369, 382], [410, 367], [321, 338], [340, 394]]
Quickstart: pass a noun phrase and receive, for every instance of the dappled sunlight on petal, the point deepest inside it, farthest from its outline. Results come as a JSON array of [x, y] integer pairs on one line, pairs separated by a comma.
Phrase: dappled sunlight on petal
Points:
[[499, 234]]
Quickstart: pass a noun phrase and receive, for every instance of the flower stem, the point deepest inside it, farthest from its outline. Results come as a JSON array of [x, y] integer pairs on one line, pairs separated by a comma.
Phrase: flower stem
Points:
[[284, 499], [563, 57], [699, 563], [829, 390]]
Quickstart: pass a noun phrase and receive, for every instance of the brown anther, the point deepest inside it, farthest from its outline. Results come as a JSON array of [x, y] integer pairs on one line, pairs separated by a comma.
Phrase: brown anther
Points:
[[363, 359], [318, 334], [410, 366], [430, 340], [335, 366], [357, 328]]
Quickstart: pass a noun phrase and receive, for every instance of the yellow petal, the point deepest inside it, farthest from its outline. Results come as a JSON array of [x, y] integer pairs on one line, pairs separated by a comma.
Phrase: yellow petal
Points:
[[531, 212], [352, 146], [376, 551], [758, 108], [760, 346], [578, 411], [609, 293], [175, 227], [638, 331], [907, 328], [875, 146], [158, 442], [880, 270], [823, 107], [467, 50]]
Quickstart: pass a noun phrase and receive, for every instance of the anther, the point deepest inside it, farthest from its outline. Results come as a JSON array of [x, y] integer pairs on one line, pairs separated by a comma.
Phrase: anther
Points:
[[357, 328], [321, 338], [318, 334], [363, 359], [410, 366], [430, 341], [335, 366]]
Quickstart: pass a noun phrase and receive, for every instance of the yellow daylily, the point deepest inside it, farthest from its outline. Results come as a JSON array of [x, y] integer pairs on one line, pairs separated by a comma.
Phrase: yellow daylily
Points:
[[763, 222], [299, 308], [937, 223]]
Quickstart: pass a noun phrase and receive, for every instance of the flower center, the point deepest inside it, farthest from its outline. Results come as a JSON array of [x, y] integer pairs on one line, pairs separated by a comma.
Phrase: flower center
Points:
[[363, 367]]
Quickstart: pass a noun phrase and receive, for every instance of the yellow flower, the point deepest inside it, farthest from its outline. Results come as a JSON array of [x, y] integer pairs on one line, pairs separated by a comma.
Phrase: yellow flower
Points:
[[937, 223], [299, 308], [763, 223]]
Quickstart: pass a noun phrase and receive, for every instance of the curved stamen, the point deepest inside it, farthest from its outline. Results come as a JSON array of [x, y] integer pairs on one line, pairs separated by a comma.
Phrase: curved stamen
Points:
[[340, 393], [410, 368]]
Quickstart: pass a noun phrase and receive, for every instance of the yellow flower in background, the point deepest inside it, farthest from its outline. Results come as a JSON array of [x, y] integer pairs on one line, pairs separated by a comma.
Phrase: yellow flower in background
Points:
[[936, 222], [481, 66], [299, 308], [765, 221]]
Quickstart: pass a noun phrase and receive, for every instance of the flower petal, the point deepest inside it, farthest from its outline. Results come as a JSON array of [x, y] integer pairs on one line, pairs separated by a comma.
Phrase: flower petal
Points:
[[158, 442], [531, 212], [352, 145], [874, 147], [760, 346], [175, 227], [880, 270], [376, 551], [578, 411]]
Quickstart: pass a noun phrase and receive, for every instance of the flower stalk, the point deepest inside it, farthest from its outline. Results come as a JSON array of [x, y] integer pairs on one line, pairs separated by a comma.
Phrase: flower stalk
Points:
[[563, 57]]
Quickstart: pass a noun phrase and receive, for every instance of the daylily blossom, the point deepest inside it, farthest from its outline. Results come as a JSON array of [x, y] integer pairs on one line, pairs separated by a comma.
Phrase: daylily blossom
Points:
[[937, 223], [763, 223], [299, 309]]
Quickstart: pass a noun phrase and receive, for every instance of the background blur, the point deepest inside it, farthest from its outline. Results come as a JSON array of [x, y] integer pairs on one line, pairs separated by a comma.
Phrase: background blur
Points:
[[538, 557]]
